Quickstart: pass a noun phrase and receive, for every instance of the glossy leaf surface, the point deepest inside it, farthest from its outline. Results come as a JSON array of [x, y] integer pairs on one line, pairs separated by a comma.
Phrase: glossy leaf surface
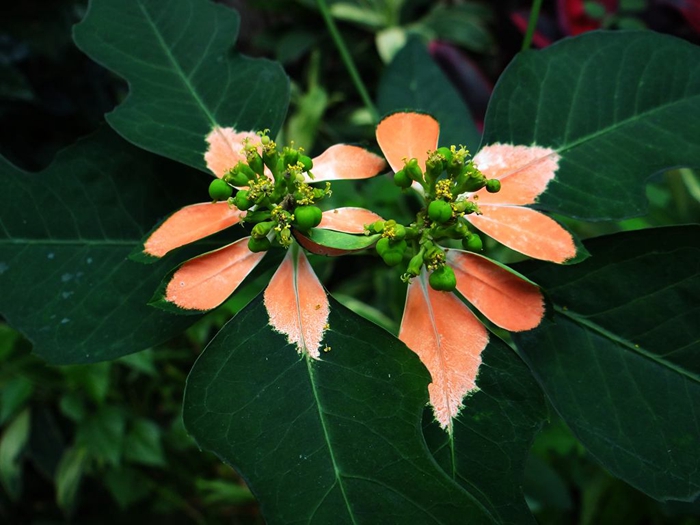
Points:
[[414, 82], [617, 107], [343, 431], [492, 434], [66, 234], [184, 79], [620, 360]]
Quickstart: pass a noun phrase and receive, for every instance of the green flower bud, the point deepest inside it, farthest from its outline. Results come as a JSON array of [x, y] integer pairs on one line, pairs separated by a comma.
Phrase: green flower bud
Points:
[[399, 245], [377, 226], [445, 152], [399, 232], [472, 183], [307, 217], [472, 243], [219, 190], [402, 180], [258, 245], [306, 162], [261, 229], [270, 158], [382, 246], [236, 178], [256, 163], [413, 170], [392, 257], [257, 216], [415, 264], [241, 200], [493, 185], [434, 167], [291, 156], [439, 211], [443, 279]]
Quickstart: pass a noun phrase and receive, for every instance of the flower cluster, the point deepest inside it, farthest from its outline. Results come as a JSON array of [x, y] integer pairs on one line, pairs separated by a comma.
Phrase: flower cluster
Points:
[[271, 191]]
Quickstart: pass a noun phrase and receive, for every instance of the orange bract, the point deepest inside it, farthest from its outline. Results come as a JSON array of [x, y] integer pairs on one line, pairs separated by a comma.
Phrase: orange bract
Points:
[[344, 162], [524, 172], [226, 148], [449, 340], [406, 136], [207, 281], [297, 304], [504, 298], [348, 220], [190, 224], [526, 231]]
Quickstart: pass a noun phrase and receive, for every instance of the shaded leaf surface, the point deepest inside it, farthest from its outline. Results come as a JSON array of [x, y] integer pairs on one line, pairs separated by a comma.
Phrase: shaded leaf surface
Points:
[[183, 77], [414, 82], [493, 433], [65, 235], [344, 430], [621, 358], [618, 107]]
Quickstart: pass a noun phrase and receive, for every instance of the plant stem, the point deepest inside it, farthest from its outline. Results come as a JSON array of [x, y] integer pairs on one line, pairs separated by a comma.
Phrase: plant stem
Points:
[[532, 24], [347, 59]]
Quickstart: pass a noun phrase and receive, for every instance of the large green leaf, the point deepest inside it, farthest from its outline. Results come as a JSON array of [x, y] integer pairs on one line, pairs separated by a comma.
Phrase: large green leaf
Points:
[[413, 81], [65, 235], [493, 433], [618, 107], [336, 440], [620, 360], [183, 77]]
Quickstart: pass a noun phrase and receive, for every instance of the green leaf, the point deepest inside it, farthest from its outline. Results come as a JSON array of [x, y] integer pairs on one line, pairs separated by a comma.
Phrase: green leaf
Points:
[[463, 24], [142, 444], [127, 485], [65, 235], [617, 107], [102, 435], [14, 393], [68, 477], [493, 433], [343, 430], [619, 360], [183, 77], [413, 81], [14, 440]]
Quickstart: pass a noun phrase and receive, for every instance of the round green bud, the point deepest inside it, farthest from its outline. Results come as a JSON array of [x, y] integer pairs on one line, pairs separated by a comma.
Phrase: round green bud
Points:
[[258, 245], [472, 243], [392, 257], [402, 180], [399, 232], [219, 190], [493, 185], [306, 162], [383, 246], [241, 200], [265, 140], [439, 211], [261, 229], [443, 279], [307, 217]]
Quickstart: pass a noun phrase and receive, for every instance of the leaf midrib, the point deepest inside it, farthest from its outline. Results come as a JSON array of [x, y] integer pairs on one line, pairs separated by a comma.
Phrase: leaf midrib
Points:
[[637, 349], [622, 123], [175, 65]]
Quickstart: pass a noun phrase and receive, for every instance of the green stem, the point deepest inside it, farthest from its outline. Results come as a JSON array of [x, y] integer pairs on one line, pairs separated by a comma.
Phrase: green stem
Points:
[[534, 15], [347, 59]]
